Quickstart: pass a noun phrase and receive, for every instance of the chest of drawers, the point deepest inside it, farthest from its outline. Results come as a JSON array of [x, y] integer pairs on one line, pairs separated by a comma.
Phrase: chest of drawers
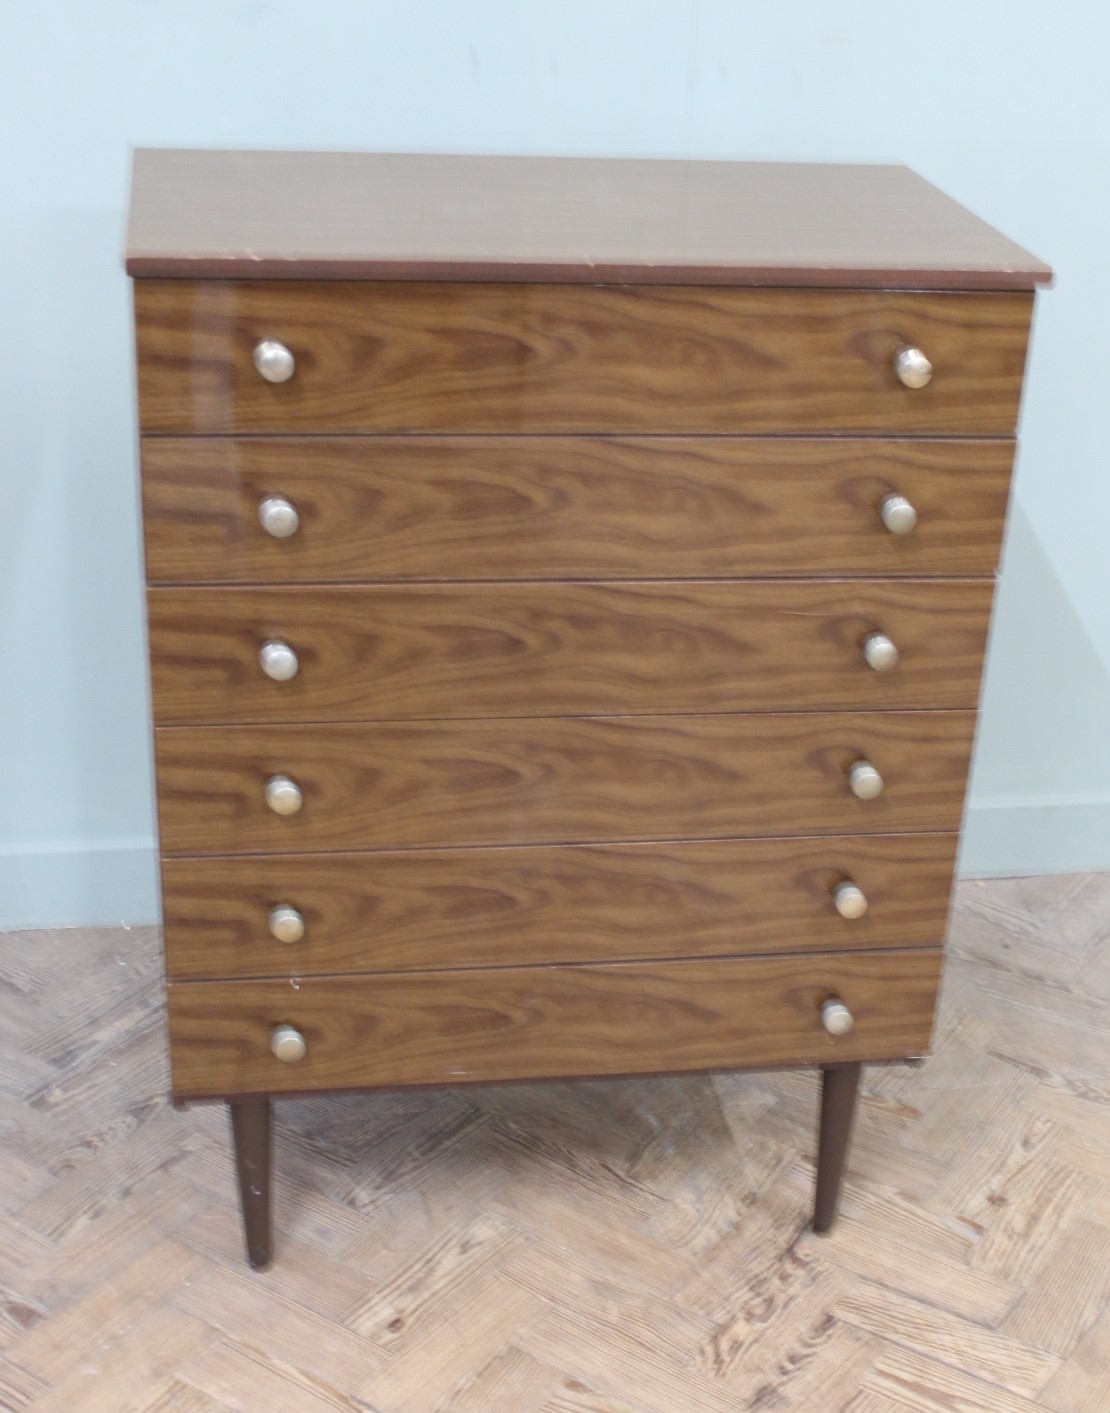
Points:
[[568, 584]]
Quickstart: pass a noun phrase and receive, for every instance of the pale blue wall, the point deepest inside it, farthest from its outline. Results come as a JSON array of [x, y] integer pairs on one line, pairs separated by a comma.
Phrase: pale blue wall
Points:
[[1004, 103]]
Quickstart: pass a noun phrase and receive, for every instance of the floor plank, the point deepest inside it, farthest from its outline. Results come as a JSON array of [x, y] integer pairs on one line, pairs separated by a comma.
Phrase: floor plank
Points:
[[1082, 1385]]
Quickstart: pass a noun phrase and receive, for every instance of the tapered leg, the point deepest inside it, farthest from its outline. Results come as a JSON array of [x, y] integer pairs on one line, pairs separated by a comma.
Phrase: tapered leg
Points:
[[250, 1127], [839, 1087]]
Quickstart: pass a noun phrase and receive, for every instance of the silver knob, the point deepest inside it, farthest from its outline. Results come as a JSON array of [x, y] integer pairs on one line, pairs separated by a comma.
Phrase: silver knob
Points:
[[288, 1044], [278, 660], [849, 900], [898, 514], [282, 795], [835, 1017], [912, 368], [864, 780], [879, 652], [278, 517], [286, 923], [274, 361]]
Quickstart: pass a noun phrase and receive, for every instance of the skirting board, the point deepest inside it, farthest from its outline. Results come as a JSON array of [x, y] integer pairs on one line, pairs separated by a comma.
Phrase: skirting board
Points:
[[116, 880], [1020, 838], [69, 884]]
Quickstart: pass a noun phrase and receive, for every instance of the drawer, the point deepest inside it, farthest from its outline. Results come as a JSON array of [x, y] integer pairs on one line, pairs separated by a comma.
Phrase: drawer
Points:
[[571, 507], [582, 903], [558, 780], [373, 653], [546, 1022], [415, 357]]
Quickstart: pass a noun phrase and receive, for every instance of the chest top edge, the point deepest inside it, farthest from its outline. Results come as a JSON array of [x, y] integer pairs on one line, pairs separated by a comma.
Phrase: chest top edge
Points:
[[393, 216]]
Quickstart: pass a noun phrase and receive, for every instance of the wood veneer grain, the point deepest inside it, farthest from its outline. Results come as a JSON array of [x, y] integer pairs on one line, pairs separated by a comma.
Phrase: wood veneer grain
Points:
[[546, 1022], [582, 903], [470, 650], [573, 507], [558, 780], [543, 358]]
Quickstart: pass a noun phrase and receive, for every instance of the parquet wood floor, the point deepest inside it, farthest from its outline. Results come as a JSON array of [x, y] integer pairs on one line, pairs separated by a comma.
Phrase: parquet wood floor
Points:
[[636, 1247]]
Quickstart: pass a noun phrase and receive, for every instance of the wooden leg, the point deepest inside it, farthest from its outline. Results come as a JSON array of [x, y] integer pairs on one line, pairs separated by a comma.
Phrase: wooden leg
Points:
[[250, 1127], [839, 1087]]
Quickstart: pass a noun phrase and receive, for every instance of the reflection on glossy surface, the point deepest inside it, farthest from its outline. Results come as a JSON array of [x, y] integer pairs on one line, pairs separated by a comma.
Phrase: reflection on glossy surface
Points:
[[418, 357]]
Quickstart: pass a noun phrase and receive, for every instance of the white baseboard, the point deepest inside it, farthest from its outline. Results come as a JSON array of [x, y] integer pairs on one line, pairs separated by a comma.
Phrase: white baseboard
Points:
[[78, 884], [1014, 837]]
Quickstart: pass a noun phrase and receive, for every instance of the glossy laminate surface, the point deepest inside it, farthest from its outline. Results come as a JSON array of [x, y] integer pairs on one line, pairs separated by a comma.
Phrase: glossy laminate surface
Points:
[[558, 780], [540, 358], [456, 508], [419, 909], [364, 654], [534, 1023]]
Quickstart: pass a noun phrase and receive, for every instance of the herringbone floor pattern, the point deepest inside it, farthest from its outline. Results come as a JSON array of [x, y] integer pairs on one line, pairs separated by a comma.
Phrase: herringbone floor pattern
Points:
[[636, 1247]]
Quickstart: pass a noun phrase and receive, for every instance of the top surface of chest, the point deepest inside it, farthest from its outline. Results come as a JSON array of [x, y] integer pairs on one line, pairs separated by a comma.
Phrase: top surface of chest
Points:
[[314, 215]]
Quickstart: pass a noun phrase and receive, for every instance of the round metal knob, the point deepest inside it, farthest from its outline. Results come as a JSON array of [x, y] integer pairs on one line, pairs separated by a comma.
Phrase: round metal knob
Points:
[[278, 660], [286, 923], [879, 652], [274, 361], [278, 517], [849, 900], [898, 514], [283, 795], [912, 368], [835, 1017], [288, 1044], [864, 780]]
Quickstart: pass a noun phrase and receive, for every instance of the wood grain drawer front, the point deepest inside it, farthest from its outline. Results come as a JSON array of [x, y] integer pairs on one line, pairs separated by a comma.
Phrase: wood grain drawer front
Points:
[[367, 654], [558, 780], [405, 357], [546, 1022], [574, 507], [582, 903]]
